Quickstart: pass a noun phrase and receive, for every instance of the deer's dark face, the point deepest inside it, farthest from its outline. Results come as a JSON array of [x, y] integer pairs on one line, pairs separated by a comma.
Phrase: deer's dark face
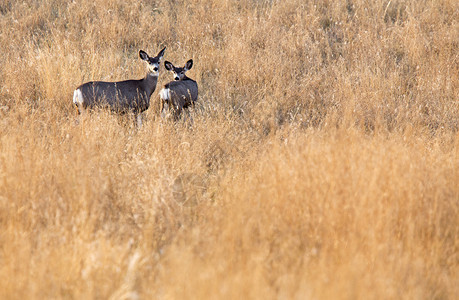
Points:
[[179, 73], [153, 63]]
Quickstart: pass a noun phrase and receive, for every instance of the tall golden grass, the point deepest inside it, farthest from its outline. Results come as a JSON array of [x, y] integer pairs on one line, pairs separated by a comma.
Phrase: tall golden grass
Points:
[[322, 161]]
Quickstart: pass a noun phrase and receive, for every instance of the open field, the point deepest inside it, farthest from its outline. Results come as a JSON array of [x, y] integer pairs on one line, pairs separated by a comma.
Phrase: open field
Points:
[[322, 162]]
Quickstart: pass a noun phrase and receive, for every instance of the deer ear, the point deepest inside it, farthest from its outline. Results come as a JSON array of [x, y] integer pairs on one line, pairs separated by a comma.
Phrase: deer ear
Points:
[[161, 53], [143, 55], [169, 66], [189, 64]]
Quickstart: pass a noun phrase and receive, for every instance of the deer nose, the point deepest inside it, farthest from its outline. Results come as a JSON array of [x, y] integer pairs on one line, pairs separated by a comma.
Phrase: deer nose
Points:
[[176, 78], [155, 69]]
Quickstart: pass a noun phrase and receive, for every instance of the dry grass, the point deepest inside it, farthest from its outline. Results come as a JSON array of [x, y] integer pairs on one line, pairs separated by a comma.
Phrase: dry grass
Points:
[[323, 161]]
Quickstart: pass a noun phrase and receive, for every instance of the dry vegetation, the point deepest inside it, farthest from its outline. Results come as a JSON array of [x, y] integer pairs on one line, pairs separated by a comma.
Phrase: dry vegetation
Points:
[[322, 163]]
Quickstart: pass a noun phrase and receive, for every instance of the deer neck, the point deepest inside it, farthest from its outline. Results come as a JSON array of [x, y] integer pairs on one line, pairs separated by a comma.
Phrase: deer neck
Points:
[[149, 83], [186, 78]]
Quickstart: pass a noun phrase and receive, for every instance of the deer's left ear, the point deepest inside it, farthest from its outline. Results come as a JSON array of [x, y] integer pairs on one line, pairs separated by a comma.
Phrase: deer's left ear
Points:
[[189, 64], [161, 53], [143, 55]]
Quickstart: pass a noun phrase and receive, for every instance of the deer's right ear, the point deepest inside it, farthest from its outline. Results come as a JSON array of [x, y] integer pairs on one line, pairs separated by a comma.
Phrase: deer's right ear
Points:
[[143, 55], [168, 65]]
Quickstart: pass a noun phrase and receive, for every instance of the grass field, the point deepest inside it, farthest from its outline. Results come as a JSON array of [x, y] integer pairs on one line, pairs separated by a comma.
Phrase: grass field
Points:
[[322, 162]]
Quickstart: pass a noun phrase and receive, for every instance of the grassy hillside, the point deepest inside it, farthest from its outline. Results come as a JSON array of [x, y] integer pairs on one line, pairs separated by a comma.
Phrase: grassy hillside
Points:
[[322, 163]]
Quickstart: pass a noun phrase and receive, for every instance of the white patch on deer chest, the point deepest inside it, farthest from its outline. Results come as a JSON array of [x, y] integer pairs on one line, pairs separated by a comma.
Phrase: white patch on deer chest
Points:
[[78, 97]]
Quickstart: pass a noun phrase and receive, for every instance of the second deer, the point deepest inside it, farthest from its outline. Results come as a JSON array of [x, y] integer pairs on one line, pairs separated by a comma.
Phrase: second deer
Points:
[[180, 93]]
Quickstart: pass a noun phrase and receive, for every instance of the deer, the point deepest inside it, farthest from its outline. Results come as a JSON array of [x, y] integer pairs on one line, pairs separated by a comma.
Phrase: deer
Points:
[[180, 93], [128, 96]]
